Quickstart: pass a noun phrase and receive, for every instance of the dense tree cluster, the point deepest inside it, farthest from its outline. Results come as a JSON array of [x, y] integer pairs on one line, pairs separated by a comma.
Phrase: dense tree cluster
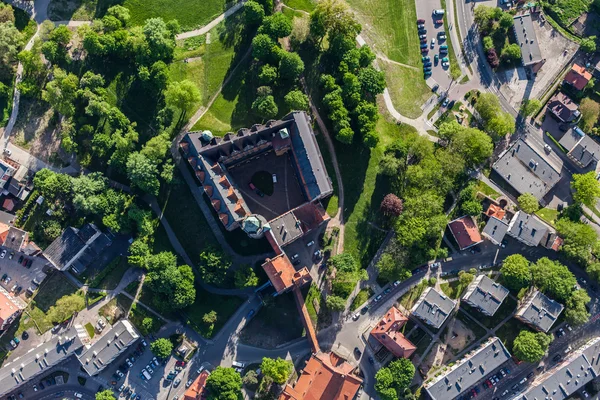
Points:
[[11, 41], [528, 203], [531, 347], [494, 25], [344, 272], [224, 384], [214, 265], [161, 348], [278, 369], [172, 285], [393, 380], [496, 122]]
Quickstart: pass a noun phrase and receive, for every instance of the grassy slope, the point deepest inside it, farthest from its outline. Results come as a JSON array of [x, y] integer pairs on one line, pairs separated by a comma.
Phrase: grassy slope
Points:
[[305, 5], [407, 88]]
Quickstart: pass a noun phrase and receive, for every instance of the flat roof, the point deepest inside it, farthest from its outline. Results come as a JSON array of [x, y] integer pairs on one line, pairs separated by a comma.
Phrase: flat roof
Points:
[[286, 228], [95, 358], [571, 138], [525, 33], [40, 359], [526, 169], [468, 371], [539, 310], [568, 376], [433, 307], [486, 294]]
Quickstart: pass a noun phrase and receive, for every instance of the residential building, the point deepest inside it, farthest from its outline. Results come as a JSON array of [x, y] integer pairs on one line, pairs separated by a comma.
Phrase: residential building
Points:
[[433, 307], [197, 390], [10, 308], [76, 248], [527, 228], [465, 232], [13, 238], [283, 275], [570, 139], [495, 211], [577, 77], [41, 359], [571, 374], [563, 108], [495, 230], [114, 342], [7, 169], [585, 153], [538, 311], [485, 295], [525, 34], [387, 332], [527, 170], [468, 371], [326, 376]]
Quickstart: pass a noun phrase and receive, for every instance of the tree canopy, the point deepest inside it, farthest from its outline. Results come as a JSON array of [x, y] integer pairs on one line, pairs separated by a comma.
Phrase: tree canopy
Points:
[[528, 203], [278, 369], [531, 347], [161, 348], [224, 384], [515, 271], [586, 188], [391, 381]]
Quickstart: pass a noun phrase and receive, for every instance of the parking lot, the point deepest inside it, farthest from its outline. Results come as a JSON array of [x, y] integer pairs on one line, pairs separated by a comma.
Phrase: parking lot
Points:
[[439, 74], [20, 275], [306, 257]]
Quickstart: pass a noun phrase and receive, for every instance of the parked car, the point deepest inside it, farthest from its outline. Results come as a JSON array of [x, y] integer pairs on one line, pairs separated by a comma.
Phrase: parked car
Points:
[[420, 21], [422, 36], [250, 314], [189, 383], [3, 254], [295, 256], [177, 382], [424, 45], [556, 358], [21, 259], [251, 186], [378, 298], [396, 283], [274, 178], [426, 69], [438, 21], [432, 43], [355, 317], [438, 12], [421, 26], [427, 64], [310, 243], [445, 65], [425, 58], [441, 36], [29, 263]]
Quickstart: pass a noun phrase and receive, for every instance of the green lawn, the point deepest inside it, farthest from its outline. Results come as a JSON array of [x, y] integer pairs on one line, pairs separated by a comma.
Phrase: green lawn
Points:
[[138, 314], [321, 318], [548, 214], [225, 307], [305, 5], [407, 88], [362, 296], [453, 289], [421, 339], [454, 67], [189, 13], [391, 24], [332, 202], [509, 331], [90, 330], [364, 189], [410, 298], [487, 190], [109, 277]]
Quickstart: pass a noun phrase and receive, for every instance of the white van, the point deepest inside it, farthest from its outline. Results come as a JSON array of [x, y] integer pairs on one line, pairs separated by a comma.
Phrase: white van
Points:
[[438, 12], [237, 364], [146, 374]]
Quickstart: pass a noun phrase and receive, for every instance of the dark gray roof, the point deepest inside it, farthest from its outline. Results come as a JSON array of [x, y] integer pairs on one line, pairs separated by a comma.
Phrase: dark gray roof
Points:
[[466, 372], [527, 228], [485, 294], [286, 228], [40, 359], [563, 107], [114, 341], [495, 230], [64, 248], [580, 367], [433, 307], [586, 151], [526, 169], [15, 238], [539, 310], [530, 48], [571, 138]]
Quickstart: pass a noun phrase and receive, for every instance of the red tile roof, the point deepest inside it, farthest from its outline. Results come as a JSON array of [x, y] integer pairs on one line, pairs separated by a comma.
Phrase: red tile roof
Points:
[[280, 271], [578, 77], [387, 332], [209, 190], [197, 390], [465, 232], [495, 211], [325, 377], [216, 203], [8, 204]]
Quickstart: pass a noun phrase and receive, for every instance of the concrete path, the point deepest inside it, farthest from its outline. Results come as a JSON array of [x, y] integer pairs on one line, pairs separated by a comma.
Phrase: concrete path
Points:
[[206, 28]]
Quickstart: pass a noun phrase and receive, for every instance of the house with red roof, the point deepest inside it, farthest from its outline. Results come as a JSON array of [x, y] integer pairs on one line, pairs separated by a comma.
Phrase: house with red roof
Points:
[[578, 77], [465, 232], [387, 332]]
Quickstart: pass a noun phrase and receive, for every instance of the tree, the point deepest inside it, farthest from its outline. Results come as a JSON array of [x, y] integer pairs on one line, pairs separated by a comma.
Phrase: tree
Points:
[[531, 347], [214, 266], [492, 58], [182, 95], [586, 187], [251, 378], [143, 173], [392, 381], [590, 110], [506, 21], [139, 251], [515, 271], [553, 279], [276, 25], [263, 47], [268, 74], [253, 13], [588, 44], [265, 107], [61, 92], [105, 395], [335, 303], [576, 312], [156, 148], [471, 207], [530, 106], [579, 240], [528, 203], [173, 286], [161, 348], [296, 100], [121, 13], [290, 66], [210, 317], [391, 205], [147, 325], [161, 40], [392, 270], [483, 15], [224, 384], [245, 277], [464, 278], [279, 369], [372, 82], [65, 307], [488, 43], [6, 13], [473, 145], [335, 18]]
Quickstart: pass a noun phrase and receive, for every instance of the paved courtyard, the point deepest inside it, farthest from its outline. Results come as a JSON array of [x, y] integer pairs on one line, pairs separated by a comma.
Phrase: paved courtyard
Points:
[[20, 275]]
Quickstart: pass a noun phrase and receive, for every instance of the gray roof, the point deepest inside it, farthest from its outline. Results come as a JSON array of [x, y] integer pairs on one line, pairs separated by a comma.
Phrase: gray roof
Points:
[[586, 151], [64, 248], [571, 138], [526, 169], [539, 311], [433, 307], [478, 364], [40, 359], [15, 238], [495, 230], [570, 375], [527, 228], [563, 107], [530, 48], [286, 228], [485, 294], [114, 341]]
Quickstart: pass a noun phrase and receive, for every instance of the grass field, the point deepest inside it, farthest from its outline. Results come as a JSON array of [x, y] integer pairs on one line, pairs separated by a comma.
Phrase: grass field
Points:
[[410, 298], [362, 296], [453, 289], [487, 190], [304, 5], [391, 25], [225, 307], [139, 313], [364, 189], [189, 13], [407, 88], [109, 277], [548, 214], [332, 202]]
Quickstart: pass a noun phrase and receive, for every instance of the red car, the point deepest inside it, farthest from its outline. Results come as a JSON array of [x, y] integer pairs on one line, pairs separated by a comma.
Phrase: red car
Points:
[[423, 40], [425, 50], [252, 186], [420, 21], [438, 21]]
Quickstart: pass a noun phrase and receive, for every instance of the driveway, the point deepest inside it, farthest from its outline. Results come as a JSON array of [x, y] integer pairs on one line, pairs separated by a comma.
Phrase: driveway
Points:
[[20, 275], [425, 11]]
